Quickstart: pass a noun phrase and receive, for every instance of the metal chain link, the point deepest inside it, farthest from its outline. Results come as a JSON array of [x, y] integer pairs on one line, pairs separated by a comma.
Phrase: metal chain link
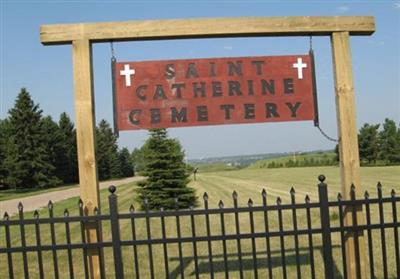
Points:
[[325, 135], [112, 51]]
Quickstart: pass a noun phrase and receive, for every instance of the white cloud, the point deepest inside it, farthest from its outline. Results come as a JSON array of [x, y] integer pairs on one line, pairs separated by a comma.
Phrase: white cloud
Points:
[[228, 47], [344, 9], [397, 5]]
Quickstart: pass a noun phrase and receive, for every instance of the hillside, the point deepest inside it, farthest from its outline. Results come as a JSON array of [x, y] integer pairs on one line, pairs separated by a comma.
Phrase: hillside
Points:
[[317, 158]]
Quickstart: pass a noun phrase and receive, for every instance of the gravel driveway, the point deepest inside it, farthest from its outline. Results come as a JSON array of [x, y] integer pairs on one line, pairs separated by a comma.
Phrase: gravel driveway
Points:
[[41, 200]]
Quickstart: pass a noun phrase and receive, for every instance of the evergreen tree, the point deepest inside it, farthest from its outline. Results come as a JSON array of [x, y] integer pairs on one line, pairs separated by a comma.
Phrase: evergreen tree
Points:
[[4, 135], [125, 163], [107, 152], [389, 142], [337, 155], [52, 145], [137, 159], [166, 172], [368, 142], [67, 161], [27, 159]]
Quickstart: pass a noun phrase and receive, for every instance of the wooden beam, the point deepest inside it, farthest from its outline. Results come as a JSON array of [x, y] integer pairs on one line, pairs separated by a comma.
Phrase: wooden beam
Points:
[[206, 28], [84, 111], [348, 147]]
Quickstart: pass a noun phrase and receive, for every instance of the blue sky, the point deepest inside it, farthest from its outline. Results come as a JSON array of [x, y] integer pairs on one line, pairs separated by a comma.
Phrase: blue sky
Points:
[[46, 71]]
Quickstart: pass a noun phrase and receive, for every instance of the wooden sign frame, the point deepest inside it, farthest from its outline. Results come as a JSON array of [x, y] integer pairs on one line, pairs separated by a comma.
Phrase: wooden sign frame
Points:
[[81, 36]]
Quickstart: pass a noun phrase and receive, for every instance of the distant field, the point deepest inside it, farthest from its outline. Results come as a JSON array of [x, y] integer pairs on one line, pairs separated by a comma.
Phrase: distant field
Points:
[[314, 156], [219, 186], [214, 167]]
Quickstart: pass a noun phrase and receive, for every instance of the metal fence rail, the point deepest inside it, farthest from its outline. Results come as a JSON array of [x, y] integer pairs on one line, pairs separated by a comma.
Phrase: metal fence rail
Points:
[[260, 228]]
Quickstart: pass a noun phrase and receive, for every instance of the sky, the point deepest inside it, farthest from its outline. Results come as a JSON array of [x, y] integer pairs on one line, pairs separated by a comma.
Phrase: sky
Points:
[[46, 71]]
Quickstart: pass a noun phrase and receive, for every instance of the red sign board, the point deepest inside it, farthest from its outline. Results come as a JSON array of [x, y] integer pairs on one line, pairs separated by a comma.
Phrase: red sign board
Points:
[[194, 92]]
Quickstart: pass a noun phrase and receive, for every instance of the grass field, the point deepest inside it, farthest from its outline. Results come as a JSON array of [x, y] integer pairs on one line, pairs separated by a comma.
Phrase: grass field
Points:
[[219, 186], [315, 156]]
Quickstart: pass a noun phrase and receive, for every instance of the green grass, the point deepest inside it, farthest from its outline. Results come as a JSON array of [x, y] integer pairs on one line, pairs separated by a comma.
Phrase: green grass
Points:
[[219, 186]]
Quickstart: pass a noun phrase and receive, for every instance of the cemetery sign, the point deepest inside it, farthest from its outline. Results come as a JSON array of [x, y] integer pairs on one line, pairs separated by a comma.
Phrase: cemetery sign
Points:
[[195, 92]]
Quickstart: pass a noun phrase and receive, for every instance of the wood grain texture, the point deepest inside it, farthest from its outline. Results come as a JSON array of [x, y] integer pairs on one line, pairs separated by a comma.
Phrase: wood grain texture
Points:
[[84, 111], [206, 28], [348, 145]]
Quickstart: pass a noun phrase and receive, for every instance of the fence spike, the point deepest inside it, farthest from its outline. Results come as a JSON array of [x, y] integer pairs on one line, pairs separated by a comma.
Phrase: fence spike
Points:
[[161, 208], [393, 193], [6, 216], [221, 204], [131, 208], [80, 203], [50, 205], [146, 201], [112, 189], [321, 178], [36, 214], [379, 186], [279, 200], [264, 193], [339, 196], [66, 212], [176, 200], [307, 199], [234, 195], [20, 206], [250, 203], [366, 195], [96, 211], [292, 191], [353, 188], [191, 207], [205, 196]]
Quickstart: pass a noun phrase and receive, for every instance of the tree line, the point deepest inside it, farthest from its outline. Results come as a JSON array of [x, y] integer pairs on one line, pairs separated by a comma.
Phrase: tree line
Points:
[[37, 152], [379, 144]]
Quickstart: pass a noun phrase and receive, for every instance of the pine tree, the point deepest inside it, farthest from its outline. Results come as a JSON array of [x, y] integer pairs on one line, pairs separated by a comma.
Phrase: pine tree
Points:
[[67, 161], [52, 145], [166, 172], [137, 160], [389, 142], [27, 159], [4, 135], [125, 163], [107, 152], [368, 142]]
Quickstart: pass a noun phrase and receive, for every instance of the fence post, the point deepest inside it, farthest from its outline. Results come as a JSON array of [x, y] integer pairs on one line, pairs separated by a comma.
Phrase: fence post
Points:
[[113, 203], [325, 226]]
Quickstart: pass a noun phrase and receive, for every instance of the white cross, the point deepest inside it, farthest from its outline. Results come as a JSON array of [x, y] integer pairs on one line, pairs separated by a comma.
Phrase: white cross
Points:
[[127, 72], [299, 65]]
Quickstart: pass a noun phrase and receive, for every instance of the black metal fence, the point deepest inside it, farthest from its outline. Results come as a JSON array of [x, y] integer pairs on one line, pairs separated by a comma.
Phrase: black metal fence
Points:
[[203, 243]]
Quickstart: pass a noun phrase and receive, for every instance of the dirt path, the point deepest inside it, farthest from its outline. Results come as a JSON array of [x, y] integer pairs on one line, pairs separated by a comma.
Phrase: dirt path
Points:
[[41, 200]]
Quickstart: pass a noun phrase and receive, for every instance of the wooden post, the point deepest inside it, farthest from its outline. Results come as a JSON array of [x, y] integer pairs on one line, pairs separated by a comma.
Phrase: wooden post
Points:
[[85, 123], [348, 143]]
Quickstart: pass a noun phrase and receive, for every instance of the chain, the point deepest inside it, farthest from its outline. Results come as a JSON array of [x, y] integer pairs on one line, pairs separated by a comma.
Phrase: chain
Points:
[[317, 123], [325, 135], [112, 51]]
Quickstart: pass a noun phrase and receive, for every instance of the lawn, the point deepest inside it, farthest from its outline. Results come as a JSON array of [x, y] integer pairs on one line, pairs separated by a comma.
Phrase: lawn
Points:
[[219, 186]]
